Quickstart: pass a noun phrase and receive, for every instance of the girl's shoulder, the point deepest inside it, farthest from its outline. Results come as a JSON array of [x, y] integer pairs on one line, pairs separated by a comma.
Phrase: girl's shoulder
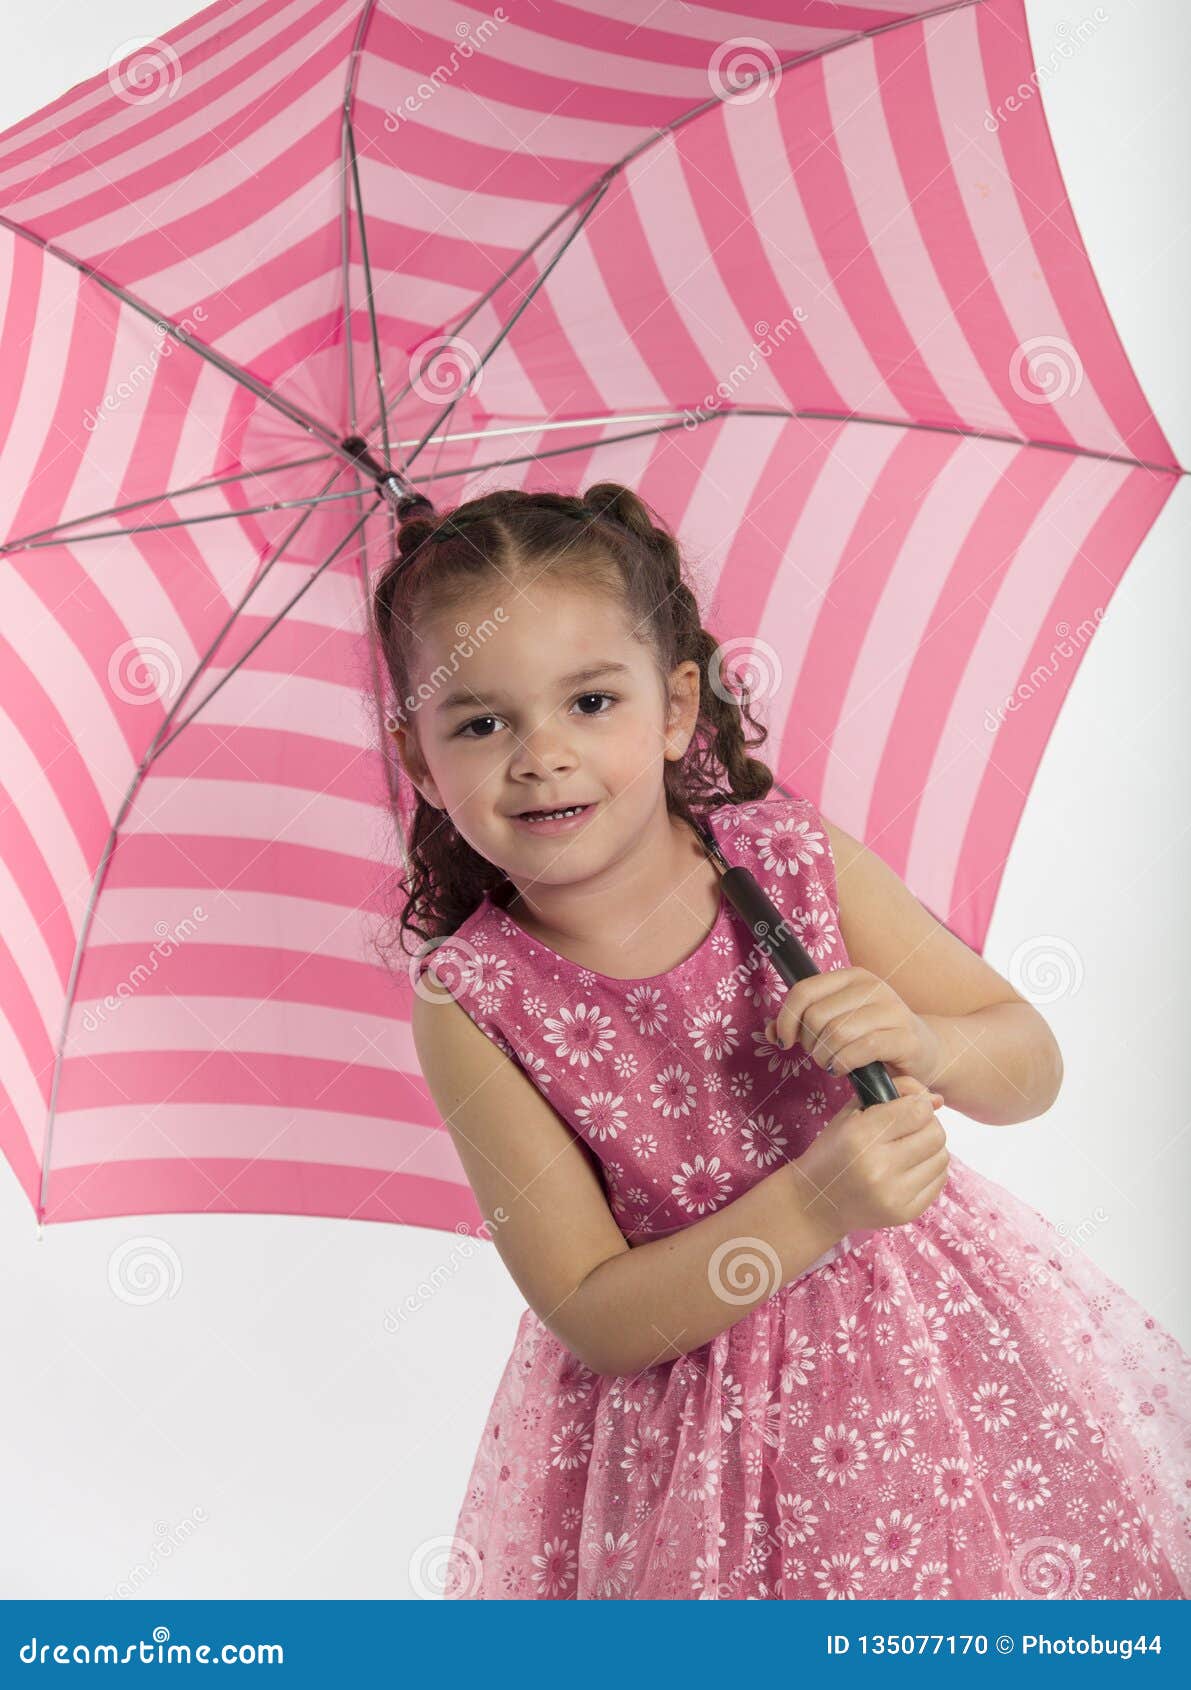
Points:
[[781, 838]]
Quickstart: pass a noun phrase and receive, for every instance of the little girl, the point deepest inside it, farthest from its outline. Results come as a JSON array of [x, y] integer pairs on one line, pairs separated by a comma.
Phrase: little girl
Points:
[[776, 1346]]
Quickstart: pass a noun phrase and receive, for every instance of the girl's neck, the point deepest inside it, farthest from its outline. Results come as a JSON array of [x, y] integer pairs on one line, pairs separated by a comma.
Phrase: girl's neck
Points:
[[642, 914]]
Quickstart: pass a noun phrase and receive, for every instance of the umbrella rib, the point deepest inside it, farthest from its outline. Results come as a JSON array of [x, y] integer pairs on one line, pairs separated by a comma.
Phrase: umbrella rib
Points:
[[346, 140], [194, 521], [285, 407], [689, 418], [369, 301], [507, 328], [604, 180], [154, 750], [155, 499], [478, 305]]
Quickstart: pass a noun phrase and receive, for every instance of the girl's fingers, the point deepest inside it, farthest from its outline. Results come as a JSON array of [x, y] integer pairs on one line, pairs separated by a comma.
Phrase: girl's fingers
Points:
[[932, 1175]]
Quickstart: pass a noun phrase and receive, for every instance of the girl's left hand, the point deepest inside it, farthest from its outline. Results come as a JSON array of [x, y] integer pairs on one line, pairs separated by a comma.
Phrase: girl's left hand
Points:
[[850, 1016]]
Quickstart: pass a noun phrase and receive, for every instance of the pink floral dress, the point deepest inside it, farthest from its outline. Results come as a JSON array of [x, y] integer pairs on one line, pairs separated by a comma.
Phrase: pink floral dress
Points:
[[965, 1406]]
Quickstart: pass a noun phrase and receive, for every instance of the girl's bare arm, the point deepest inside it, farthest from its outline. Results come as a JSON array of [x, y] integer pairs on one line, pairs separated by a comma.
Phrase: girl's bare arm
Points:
[[619, 1309]]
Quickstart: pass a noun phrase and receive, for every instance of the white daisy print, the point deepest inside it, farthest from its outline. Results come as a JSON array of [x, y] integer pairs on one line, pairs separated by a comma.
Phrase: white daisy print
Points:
[[893, 1435], [840, 1576], [701, 1185], [993, 1407], [1025, 1484], [762, 1139], [839, 1454], [789, 846], [570, 1446], [797, 1518], [673, 1091], [797, 1361], [713, 1032], [1058, 1426], [893, 1543], [645, 1009], [602, 1114], [581, 1035], [815, 931], [953, 1482]]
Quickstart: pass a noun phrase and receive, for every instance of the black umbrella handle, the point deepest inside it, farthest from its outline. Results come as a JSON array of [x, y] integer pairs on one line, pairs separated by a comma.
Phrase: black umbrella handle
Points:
[[776, 940]]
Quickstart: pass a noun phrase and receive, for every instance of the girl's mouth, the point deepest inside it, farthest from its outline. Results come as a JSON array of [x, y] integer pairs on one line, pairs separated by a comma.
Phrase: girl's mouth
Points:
[[554, 822]]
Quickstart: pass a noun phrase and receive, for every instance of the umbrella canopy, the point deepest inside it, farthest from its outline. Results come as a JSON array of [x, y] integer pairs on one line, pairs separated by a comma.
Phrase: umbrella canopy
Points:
[[816, 292]]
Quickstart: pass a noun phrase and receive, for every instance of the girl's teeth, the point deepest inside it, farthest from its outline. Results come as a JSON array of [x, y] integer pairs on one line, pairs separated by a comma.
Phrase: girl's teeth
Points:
[[552, 815]]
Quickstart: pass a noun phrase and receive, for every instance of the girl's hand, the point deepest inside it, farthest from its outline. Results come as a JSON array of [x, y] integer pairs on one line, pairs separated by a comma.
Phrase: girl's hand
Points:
[[850, 1016]]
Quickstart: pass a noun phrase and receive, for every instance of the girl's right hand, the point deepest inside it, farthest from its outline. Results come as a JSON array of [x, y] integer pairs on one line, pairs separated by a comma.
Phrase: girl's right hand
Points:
[[881, 1166]]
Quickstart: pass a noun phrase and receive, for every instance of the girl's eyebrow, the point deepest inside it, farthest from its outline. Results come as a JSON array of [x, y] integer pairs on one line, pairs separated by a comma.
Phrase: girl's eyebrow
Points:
[[590, 672]]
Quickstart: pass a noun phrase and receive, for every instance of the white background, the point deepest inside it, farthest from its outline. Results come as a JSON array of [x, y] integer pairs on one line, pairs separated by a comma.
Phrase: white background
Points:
[[262, 1426]]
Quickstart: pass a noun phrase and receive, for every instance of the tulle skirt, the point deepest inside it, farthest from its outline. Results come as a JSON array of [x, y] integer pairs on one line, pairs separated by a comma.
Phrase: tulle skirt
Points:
[[965, 1406]]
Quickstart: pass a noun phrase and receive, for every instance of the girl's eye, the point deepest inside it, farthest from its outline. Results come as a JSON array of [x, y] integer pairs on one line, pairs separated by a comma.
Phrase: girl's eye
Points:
[[462, 733]]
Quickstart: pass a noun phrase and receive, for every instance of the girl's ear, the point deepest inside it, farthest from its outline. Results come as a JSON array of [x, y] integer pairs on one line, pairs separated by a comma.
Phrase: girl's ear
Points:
[[413, 764], [683, 712]]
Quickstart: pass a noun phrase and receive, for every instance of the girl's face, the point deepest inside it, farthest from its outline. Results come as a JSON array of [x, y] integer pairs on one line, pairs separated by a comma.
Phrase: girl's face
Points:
[[555, 703]]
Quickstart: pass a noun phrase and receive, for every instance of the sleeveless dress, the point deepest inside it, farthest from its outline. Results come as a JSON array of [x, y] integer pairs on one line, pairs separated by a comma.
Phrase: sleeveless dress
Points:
[[963, 1406]]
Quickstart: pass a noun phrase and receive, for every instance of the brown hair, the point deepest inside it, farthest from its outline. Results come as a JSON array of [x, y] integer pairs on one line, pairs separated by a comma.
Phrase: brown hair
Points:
[[621, 548]]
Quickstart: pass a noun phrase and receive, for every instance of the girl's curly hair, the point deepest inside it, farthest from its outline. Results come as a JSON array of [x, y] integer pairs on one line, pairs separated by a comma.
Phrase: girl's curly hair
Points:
[[607, 539]]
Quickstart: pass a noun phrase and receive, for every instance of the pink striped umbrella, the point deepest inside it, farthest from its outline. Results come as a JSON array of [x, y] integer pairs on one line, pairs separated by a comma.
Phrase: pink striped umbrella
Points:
[[804, 274]]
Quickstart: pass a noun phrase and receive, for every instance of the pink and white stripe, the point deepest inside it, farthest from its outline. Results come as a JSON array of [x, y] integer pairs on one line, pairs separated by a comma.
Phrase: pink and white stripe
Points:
[[839, 328]]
